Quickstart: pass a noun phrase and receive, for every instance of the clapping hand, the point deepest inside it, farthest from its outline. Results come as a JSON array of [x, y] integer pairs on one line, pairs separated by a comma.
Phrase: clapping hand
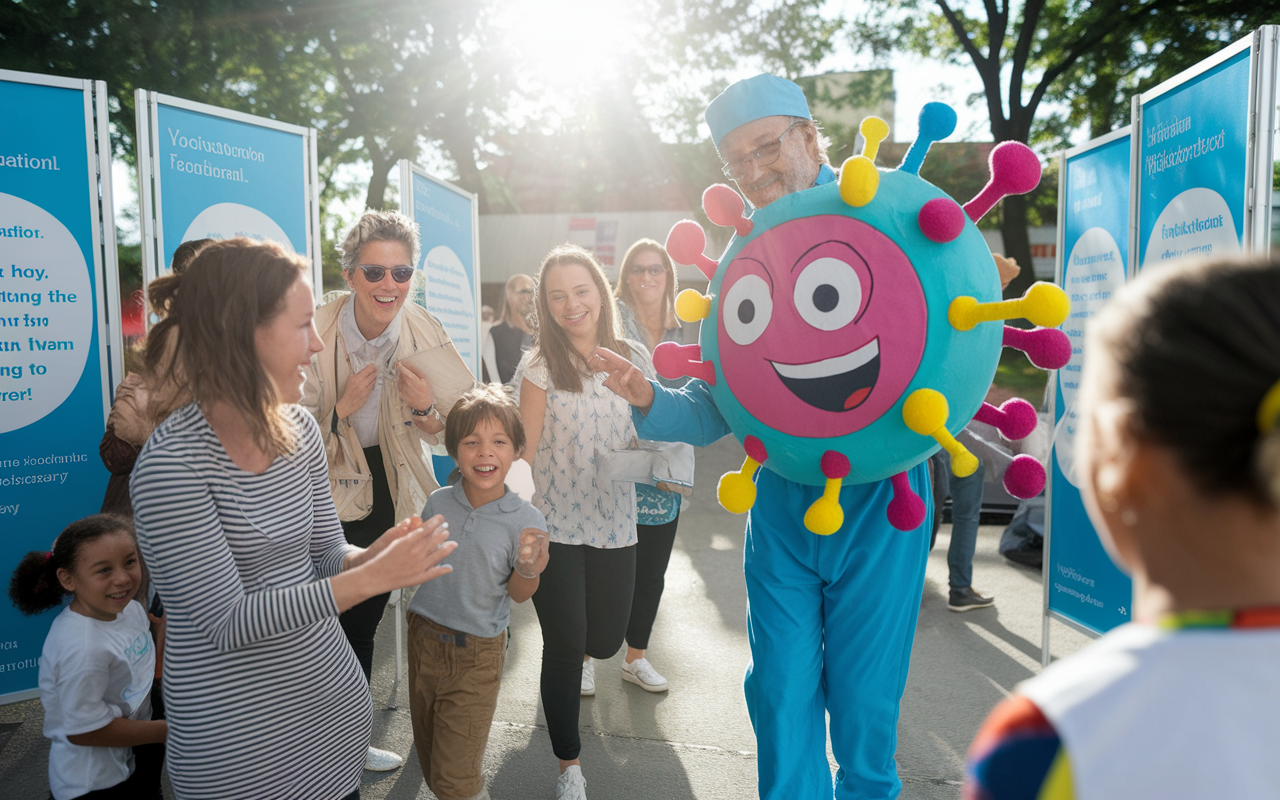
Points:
[[533, 555], [411, 552], [625, 379]]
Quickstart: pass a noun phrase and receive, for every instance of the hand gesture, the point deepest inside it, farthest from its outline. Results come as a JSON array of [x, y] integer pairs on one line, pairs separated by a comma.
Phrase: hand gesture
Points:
[[533, 555], [415, 389], [359, 387], [1008, 269], [625, 379], [409, 553]]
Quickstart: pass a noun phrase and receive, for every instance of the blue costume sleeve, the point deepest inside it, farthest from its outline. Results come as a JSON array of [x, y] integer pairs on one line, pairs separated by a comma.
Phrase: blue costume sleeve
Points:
[[687, 414]]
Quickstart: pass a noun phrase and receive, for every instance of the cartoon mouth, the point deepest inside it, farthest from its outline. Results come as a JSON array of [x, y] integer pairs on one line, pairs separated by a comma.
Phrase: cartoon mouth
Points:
[[834, 384]]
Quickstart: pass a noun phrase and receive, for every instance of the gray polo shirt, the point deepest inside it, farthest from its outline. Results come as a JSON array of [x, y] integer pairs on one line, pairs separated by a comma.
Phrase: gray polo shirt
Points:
[[473, 598]]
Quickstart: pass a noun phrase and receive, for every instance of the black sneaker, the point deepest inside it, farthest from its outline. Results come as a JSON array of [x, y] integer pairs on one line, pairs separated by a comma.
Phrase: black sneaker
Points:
[[967, 599]]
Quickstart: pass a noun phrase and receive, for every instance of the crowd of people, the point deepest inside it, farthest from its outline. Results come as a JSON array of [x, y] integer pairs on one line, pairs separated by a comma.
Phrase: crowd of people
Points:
[[273, 483]]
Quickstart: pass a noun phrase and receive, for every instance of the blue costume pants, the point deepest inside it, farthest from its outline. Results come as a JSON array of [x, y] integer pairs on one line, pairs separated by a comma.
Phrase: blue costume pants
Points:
[[831, 620]]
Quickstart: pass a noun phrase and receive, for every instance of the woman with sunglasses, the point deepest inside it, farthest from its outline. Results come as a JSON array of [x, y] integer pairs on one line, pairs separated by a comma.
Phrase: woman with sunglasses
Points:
[[646, 293], [376, 413]]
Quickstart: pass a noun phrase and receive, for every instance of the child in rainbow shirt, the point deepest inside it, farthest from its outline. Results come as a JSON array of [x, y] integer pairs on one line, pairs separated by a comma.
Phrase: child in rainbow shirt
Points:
[[1179, 449]]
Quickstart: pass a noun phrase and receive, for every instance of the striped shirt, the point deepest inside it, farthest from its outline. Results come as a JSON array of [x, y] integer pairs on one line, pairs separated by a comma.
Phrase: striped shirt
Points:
[[264, 696]]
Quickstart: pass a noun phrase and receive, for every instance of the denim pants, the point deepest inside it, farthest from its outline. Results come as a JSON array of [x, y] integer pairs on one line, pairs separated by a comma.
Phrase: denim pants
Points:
[[966, 505]]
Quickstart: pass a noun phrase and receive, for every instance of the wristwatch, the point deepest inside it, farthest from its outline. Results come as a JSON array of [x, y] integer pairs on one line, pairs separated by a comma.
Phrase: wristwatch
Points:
[[426, 413]]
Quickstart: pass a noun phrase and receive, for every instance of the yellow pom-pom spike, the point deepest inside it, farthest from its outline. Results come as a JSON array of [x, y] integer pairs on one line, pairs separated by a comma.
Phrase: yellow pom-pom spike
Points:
[[859, 180], [874, 130], [1044, 304], [737, 492], [826, 516], [925, 413], [692, 306]]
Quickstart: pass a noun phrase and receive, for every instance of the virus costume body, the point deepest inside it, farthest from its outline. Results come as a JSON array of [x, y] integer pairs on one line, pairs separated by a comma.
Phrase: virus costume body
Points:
[[838, 346], [854, 327]]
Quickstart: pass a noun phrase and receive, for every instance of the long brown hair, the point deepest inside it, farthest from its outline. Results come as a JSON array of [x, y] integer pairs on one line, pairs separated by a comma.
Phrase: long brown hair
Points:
[[669, 319], [205, 349], [551, 344]]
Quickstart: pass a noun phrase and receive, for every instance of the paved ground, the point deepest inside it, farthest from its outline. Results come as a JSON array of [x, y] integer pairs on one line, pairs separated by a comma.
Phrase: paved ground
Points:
[[695, 741]]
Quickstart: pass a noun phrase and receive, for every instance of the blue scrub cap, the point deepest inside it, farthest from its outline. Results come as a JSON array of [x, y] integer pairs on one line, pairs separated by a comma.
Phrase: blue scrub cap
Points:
[[751, 99]]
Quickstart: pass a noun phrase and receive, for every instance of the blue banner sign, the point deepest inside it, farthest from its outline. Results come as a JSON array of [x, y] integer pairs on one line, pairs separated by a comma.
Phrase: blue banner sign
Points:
[[1082, 584], [220, 173], [1193, 150], [446, 216], [54, 383]]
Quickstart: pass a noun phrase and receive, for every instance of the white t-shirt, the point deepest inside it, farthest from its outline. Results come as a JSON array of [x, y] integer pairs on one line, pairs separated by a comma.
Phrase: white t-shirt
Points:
[[91, 672]]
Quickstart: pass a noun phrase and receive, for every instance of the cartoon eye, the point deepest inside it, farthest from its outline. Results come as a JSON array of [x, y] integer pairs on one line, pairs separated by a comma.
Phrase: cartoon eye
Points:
[[828, 294], [747, 308]]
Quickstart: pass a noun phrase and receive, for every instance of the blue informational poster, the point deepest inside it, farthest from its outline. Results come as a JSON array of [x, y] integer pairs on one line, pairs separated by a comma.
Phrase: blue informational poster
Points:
[[1082, 584], [446, 216], [1193, 160], [217, 174], [54, 383]]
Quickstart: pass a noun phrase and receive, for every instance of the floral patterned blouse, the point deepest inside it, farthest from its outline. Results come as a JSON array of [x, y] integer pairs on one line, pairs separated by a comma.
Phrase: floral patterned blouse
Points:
[[579, 432]]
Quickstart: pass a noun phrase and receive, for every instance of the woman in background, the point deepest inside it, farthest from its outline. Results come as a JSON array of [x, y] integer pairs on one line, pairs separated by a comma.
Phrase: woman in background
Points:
[[647, 307], [572, 425], [377, 414], [511, 337]]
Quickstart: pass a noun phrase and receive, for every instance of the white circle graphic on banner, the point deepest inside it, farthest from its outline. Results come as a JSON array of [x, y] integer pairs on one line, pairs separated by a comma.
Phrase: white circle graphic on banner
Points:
[[1094, 273], [451, 298], [1196, 224], [228, 220], [46, 313]]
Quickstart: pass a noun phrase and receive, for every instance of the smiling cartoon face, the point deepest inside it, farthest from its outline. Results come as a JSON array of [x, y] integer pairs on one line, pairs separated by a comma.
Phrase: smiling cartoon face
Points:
[[822, 326]]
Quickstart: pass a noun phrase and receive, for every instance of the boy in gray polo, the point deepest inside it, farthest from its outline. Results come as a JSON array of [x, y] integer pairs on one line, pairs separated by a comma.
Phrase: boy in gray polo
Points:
[[457, 623]]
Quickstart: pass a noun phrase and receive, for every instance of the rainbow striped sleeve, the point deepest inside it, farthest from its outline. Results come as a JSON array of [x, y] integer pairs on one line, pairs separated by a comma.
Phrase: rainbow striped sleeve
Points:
[[1017, 755]]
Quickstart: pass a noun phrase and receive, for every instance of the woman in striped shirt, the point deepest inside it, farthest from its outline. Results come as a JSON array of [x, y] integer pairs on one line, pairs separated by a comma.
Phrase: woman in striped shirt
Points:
[[231, 498]]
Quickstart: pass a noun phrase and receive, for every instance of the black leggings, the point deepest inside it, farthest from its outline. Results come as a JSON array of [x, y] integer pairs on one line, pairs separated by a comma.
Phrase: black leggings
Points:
[[653, 553], [360, 622], [583, 602]]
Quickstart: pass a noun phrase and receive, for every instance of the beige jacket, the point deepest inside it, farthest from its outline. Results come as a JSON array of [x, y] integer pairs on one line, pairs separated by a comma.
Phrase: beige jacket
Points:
[[406, 447]]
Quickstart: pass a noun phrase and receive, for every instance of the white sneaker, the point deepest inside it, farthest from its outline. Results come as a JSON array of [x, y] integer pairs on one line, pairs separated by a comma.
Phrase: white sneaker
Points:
[[376, 760], [571, 785], [642, 674], [589, 678]]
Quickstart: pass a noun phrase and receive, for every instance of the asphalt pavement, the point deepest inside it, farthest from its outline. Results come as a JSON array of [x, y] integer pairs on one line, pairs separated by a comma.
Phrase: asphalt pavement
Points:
[[694, 741]]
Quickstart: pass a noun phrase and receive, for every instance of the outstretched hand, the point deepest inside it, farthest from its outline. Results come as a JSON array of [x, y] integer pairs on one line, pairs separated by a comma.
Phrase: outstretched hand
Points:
[[625, 379], [410, 553]]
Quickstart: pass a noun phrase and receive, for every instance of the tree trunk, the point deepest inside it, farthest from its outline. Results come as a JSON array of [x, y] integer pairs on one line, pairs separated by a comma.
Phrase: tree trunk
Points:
[[376, 198], [1017, 244]]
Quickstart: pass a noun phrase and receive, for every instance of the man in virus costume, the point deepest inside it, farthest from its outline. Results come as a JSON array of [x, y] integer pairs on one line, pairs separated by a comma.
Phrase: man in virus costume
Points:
[[831, 617]]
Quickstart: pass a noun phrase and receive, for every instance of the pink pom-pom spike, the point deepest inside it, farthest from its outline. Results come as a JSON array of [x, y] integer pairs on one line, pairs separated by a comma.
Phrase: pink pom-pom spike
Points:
[[1015, 169], [1048, 348], [1025, 477], [941, 220], [906, 509], [1015, 418], [685, 244], [755, 448], [673, 361], [725, 208], [834, 465]]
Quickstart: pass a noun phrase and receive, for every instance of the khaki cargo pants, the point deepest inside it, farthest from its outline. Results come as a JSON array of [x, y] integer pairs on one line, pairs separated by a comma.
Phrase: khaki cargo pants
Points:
[[453, 691]]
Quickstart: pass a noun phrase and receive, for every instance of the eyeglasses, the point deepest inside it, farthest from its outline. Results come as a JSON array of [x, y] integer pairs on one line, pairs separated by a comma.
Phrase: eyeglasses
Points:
[[763, 157], [374, 273], [525, 292], [654, 270]]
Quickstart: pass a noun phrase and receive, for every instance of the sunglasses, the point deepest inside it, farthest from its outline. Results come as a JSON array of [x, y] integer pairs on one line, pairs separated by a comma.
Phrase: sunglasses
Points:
[[654, 270], [373, 273]]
